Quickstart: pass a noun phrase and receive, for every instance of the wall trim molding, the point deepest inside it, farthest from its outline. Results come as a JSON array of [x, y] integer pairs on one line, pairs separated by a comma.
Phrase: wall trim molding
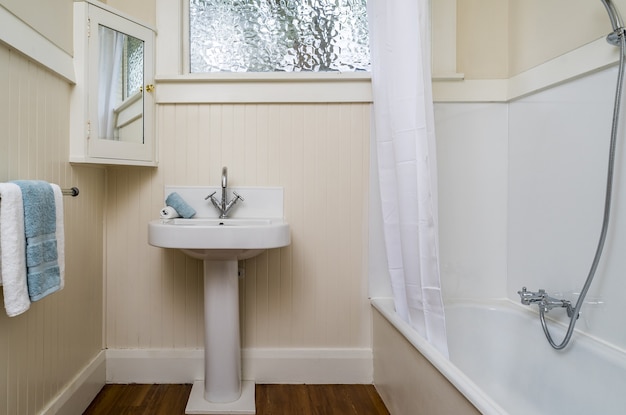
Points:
[[592, 57], [264, 365], [76, 396], [356, 87], [264, 88], [18, 35]]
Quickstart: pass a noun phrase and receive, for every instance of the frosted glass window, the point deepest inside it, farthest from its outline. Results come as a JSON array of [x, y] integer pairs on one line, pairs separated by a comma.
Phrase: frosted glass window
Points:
[[133, 65], [278, 35]]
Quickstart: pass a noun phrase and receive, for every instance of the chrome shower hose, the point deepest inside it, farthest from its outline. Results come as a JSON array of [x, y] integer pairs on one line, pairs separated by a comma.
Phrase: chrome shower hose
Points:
[[607, 205]]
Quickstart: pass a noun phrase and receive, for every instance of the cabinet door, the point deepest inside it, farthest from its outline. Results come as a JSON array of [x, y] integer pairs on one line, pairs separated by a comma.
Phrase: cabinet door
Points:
[[117, 72]]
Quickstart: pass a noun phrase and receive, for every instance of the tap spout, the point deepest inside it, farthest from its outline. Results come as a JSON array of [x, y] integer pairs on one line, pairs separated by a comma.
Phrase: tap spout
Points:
[[223, 205], [224, 187]]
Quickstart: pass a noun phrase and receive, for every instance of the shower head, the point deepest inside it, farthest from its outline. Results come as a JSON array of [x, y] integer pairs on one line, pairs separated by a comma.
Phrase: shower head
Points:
[[616, 19]]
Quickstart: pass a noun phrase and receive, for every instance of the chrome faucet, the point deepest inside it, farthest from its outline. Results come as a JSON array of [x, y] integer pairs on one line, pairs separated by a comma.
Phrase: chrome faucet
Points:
[[544, 301], [221, 205]]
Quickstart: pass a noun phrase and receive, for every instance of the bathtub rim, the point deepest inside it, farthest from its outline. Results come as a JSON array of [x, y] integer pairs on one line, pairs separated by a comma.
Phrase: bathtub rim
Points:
[[472, 392]]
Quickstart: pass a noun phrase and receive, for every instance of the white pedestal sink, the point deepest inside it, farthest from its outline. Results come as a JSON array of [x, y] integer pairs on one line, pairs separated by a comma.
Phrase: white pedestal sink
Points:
[[220, 243]]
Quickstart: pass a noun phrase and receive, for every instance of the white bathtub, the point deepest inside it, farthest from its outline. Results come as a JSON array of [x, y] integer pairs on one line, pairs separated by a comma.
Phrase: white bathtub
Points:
[[502, 364]]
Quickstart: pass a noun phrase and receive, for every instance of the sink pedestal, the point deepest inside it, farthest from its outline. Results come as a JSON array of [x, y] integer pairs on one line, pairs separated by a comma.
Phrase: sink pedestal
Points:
[[222, 391], [220, 243]]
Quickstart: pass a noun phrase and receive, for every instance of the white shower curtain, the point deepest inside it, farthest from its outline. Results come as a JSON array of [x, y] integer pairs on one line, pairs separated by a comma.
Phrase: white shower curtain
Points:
[[110, 80], [404, 130]]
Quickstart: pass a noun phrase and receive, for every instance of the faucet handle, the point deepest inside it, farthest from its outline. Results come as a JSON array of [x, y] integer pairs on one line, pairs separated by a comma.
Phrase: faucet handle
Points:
[[209, 196], [237, 196], [525, 296]]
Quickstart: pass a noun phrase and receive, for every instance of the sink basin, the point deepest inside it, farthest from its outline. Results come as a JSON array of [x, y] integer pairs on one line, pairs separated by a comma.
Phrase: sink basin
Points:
[[218, 239]]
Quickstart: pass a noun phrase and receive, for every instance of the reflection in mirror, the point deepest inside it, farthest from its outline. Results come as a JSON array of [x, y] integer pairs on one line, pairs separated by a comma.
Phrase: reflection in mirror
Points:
[[120, 86]]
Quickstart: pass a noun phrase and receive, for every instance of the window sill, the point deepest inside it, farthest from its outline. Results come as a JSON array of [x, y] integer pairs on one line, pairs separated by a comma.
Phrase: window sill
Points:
[[281, 87]]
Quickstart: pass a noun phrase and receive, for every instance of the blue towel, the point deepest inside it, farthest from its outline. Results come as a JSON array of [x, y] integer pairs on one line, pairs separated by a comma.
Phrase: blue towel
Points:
[[43, 275], [174, 200]]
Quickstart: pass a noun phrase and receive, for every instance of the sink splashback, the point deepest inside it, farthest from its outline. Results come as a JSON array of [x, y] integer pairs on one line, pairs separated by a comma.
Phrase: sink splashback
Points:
[[259, 202]]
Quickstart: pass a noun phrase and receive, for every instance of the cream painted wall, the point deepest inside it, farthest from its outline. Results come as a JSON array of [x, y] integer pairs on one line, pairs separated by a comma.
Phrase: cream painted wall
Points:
[[482, 39], [499, 39], [51, 18], [312, 294], [45, 348], [542, 30], [143, 10]]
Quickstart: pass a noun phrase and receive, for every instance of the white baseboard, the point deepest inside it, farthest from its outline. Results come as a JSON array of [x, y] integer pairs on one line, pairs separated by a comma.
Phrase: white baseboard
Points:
[[154, 366], [313, 366], [82, 389]]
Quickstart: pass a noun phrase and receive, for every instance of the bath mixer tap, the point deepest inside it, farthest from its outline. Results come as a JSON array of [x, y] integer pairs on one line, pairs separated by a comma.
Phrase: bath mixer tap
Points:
[[544, 301], [222, 205]]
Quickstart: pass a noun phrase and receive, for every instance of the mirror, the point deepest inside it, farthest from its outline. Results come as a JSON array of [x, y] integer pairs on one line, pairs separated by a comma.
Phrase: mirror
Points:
[[120, 86], [112, 115]]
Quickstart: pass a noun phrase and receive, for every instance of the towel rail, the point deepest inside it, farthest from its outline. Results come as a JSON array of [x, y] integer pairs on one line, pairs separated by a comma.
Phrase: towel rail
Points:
[[73, 191]]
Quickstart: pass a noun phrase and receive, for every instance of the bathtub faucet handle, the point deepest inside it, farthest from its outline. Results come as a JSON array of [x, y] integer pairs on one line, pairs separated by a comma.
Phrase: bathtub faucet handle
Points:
[[544, 301], [529, 297]]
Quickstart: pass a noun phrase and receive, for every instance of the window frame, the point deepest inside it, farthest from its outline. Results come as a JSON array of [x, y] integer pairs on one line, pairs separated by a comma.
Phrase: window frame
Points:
[[176, 85]]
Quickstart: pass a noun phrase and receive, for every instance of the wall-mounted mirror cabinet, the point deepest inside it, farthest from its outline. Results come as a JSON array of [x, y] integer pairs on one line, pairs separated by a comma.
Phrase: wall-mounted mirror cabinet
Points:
[[112, 113]]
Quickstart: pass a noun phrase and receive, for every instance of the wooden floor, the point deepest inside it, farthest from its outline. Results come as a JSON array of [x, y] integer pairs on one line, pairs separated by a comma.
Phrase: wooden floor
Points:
[[270, 400]]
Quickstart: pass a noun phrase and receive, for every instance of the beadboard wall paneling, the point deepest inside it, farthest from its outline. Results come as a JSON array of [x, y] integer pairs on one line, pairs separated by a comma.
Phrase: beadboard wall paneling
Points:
[[310, 294], [44, 348]]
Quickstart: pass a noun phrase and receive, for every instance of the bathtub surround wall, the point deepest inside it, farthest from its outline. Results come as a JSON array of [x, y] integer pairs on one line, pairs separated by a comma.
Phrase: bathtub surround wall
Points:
[[558, 144], [521, 198], [473, 150], [529, 178]]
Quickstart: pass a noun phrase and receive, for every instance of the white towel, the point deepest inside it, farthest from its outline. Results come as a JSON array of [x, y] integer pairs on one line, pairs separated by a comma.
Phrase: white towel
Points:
[[169, 212], [60, 232], [13, 250]]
